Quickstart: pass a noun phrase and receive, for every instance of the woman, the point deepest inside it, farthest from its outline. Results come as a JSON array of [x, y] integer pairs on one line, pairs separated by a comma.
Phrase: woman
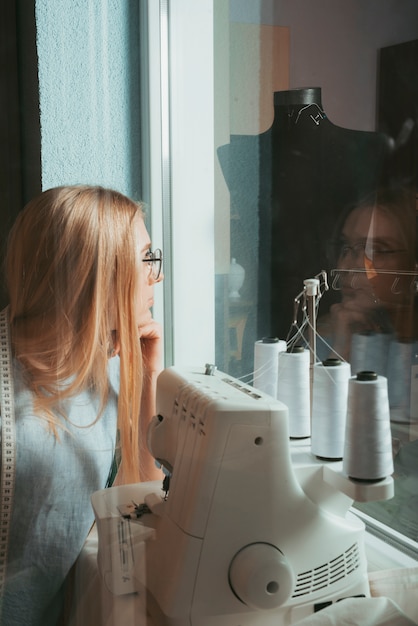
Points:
[[86, 353], [374, 327], [374, 256]]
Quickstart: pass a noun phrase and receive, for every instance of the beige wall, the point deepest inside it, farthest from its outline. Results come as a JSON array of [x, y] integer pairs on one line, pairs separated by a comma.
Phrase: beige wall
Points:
[[251, 63], [259, 66]]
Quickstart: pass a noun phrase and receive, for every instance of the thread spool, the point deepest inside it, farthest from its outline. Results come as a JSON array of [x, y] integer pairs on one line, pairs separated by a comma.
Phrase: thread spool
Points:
[[266, 364], [399, 380], [293, 389], [368, 441], [369, 352], [329, 408]]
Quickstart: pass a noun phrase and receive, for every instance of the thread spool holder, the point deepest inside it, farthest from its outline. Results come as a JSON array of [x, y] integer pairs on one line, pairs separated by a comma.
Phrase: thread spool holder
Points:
[[331, 473], [312, 291], [315, 475], [311, 288], [359, 491]]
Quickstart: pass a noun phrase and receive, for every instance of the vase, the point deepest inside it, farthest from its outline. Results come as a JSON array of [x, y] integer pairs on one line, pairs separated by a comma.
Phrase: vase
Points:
[[236, 278]]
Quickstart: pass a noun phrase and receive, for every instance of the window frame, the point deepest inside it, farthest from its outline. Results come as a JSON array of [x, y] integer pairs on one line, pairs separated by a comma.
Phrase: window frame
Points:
[[182, 188]]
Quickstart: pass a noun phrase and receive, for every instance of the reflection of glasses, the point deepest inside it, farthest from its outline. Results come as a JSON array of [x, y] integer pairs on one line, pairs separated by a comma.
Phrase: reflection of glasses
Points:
[[377, 252], [353, 278], [155, 261]]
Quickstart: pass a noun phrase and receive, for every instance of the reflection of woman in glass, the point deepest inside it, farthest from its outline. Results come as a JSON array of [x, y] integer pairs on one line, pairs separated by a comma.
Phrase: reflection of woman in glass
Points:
[[374, 255], [373, 323]]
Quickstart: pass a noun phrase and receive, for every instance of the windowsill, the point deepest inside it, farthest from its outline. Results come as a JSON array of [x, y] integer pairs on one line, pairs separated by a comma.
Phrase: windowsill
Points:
[[385, 548], [380, 555]]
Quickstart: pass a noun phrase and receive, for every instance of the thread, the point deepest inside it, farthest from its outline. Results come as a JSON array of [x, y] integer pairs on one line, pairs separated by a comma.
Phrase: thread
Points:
[[293, 389], [399, 379], [368, 442], [266, 364], [329, 408], [369, 352]]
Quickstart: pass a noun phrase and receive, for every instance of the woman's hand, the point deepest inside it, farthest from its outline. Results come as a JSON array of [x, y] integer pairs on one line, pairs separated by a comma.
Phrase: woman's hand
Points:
[[355, 315], [150, 335]]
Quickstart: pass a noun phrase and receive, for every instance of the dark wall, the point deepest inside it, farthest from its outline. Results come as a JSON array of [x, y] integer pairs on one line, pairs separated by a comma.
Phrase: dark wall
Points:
[[397, 110]]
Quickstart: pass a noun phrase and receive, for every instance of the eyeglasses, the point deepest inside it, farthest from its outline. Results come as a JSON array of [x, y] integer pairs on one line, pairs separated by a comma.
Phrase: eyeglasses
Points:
[[155, 261], [378, 253]]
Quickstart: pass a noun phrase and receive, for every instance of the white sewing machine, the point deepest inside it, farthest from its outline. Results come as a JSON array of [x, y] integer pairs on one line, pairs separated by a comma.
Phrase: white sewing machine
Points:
[[254, 529]]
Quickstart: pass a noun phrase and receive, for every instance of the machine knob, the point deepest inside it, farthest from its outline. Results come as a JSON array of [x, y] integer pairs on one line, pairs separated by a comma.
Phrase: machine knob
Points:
[[261, 577]]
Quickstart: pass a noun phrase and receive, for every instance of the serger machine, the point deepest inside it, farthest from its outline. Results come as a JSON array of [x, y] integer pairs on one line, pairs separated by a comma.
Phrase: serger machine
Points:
[[252, 530]]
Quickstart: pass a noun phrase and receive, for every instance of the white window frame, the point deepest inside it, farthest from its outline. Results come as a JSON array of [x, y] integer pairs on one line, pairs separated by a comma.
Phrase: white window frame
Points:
[[180, 116]]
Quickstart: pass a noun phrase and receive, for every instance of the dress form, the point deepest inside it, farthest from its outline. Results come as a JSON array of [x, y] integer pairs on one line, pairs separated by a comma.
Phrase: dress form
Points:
[[288, 186]]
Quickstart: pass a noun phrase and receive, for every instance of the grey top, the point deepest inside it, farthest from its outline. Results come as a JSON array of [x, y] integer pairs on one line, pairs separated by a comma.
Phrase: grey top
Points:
[[52, 513]]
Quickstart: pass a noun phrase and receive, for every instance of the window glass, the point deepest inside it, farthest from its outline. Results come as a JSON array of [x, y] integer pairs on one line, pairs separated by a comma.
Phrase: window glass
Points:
[[317, 153]]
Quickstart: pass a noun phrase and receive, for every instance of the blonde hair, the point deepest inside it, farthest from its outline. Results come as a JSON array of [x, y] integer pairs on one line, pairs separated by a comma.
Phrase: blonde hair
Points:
[[71, 268]]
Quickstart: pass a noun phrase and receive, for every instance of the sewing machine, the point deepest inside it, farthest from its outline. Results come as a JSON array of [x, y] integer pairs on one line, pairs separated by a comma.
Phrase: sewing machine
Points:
[[251, 530]]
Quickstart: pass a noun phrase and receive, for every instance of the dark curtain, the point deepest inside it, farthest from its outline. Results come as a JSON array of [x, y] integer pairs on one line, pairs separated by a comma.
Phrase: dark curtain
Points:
[[20, 167]]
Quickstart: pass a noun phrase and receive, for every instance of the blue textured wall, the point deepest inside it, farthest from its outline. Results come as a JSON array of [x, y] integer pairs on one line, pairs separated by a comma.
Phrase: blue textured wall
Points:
[[89, 92]]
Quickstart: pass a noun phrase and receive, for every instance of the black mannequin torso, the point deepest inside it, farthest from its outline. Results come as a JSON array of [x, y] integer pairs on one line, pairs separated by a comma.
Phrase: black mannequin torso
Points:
[[288, 185]]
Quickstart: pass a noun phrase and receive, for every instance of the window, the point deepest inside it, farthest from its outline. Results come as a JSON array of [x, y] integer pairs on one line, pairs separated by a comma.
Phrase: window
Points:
[[228, 210]]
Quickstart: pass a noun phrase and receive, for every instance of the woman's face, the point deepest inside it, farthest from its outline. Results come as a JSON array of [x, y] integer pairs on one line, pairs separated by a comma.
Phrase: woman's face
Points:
[[373, 243], [145, 277]]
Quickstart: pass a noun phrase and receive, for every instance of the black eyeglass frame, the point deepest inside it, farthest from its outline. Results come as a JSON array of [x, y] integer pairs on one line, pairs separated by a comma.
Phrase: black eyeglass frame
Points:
[[155, 262]]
